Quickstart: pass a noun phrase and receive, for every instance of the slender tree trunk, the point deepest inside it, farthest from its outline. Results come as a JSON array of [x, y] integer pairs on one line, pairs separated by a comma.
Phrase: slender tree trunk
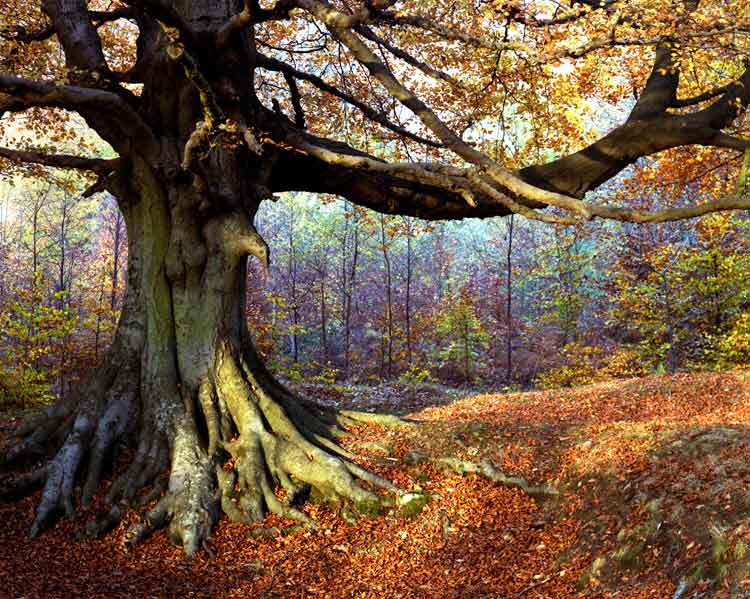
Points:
[[324, 318], [439, 266], [3, 220], [349, 300], [387, 337], [500, 316], [34, 241], [4, 226], [669, 318], [117, 232], [292, 277], [63, 300], [466, 334], [99, 308], [509, 303], [345, 283], [36, 282], [407, 307], [716, 294], [63, 245]]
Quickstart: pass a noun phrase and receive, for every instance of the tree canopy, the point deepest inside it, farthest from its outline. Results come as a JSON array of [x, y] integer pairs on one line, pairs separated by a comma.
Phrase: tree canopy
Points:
[[440, 110]]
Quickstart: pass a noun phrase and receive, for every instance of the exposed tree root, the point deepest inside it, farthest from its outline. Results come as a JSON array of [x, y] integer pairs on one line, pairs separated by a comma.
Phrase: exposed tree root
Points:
[[38, 434], [351, 417], [103, 523], [230, 441], [487, 469], [226, 450], [23, 485]]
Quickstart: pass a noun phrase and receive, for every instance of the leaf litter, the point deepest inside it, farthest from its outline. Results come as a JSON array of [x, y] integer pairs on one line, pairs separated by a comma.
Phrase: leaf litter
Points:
[[654, 495]]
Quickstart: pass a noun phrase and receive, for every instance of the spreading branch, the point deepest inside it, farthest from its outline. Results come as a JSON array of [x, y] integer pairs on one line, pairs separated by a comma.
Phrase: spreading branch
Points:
[[78, 37], [273, 64], [99, 166], [108, 112], [427, 190], [700, 98], [431, 121], [97, 17], [103, 168], [732, 202]]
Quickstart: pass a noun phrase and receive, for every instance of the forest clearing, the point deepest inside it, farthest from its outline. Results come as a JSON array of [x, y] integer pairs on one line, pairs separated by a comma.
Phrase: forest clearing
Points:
[[652, 476]]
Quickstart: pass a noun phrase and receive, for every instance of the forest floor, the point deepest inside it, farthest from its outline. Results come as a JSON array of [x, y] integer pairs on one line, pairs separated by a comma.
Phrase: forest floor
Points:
[[653, 477]]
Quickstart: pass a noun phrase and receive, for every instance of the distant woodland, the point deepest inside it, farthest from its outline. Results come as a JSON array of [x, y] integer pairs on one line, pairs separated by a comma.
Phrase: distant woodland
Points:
[[354, 296]]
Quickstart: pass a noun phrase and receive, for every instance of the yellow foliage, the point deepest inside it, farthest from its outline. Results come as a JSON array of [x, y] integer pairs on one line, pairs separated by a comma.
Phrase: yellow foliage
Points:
[[580, 368], [622, 363], [36, 331], [586, 364], [733, 349]]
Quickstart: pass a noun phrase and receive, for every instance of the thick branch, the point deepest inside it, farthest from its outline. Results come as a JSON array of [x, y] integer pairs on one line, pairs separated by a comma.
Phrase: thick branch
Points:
[[435, 191], [400, 192], [96, 165], [379, 190], [426, 190], [109, 114], [704, 97], [78, 36], [580, 172], [729, 106], [648, 129], [338, 154], [98, 18], [731, 142], [236, 23]]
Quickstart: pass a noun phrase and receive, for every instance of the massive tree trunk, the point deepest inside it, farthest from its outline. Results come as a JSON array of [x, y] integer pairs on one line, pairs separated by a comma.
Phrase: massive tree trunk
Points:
[[210, 426]]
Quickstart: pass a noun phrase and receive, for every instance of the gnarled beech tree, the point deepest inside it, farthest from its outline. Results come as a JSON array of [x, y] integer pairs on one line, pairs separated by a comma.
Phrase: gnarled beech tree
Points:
[[221, 105]]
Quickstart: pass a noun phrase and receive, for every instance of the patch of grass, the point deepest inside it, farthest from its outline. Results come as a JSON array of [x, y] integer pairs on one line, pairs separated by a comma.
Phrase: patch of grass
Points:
[[628, 554], [369, 507], [740, 549], [412, 504]]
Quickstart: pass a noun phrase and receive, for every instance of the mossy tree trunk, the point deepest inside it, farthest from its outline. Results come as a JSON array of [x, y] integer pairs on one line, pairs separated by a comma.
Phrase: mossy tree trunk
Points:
[[211, 428]]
